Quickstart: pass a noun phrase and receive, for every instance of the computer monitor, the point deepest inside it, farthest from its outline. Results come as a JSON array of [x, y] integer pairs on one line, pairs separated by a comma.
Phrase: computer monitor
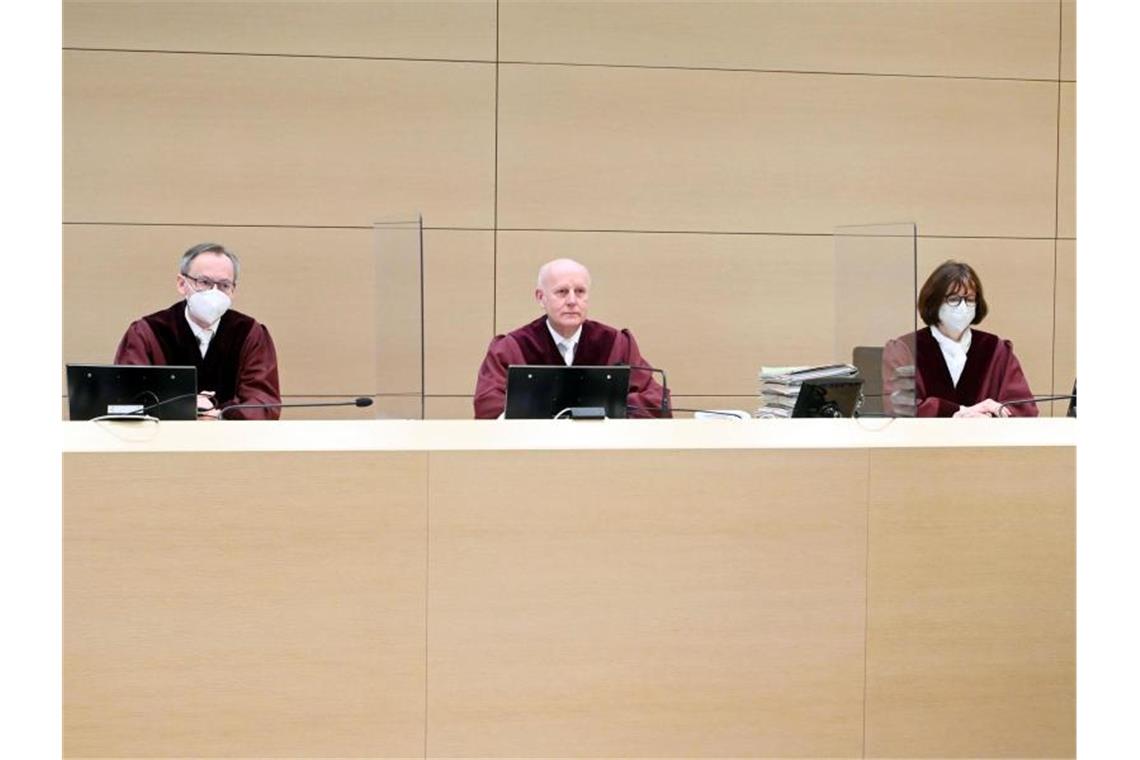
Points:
[[99, 390], [828, 397], [545, 392]]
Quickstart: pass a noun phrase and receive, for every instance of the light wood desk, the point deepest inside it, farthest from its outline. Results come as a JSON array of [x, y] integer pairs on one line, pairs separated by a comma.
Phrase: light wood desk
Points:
[[651, 588]]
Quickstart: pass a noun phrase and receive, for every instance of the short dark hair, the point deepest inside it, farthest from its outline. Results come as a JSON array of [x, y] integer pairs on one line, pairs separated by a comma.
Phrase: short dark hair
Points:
[[196, 251], [941, 282]]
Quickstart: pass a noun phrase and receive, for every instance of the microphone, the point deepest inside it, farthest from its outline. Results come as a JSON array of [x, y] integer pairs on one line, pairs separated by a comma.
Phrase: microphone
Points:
[[165, 401], [664, 410], [717, 412], [1034, 400], [360, 401], [141, 412]]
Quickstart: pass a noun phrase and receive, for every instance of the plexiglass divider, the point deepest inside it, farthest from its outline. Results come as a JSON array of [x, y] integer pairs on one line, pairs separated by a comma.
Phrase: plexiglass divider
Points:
[[399, 353], [875, 317]]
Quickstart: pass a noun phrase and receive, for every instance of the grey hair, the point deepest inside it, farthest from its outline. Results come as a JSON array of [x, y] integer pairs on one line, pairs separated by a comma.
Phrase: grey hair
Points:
[[193, 253]]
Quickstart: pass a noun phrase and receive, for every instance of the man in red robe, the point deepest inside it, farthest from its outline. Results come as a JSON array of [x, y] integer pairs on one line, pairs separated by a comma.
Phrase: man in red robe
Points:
[[233, 352], [563, 335]]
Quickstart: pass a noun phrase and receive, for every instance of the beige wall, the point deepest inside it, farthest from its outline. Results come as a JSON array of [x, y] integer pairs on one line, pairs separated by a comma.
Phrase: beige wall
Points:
[[697, 156]]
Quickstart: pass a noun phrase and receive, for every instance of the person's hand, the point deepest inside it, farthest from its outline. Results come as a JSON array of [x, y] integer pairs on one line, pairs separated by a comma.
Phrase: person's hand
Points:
[[991, 408], [984, 408], [206, 410]]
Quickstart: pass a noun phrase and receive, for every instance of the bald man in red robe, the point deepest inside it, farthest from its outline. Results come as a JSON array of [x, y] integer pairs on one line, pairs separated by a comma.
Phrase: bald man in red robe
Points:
[[563, 335]]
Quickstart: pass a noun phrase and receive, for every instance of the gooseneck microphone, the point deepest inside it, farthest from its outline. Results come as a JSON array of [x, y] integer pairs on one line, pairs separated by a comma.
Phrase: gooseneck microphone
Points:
[[665, 409], [360, 401], [1034, 400], [142, 412], [715, 412], [164, 402]]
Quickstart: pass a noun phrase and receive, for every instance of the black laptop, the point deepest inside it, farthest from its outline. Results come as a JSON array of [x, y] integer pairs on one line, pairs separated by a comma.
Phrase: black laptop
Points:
[[829, 397], [123, 391], [544, 392]]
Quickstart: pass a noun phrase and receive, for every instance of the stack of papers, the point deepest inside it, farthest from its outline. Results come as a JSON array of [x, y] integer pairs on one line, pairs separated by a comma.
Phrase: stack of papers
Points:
[[901, 387], [780, 386]]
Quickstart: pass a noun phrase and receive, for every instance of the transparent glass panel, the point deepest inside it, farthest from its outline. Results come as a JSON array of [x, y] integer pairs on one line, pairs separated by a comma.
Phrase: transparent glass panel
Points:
[[875, 317], [399, 318]]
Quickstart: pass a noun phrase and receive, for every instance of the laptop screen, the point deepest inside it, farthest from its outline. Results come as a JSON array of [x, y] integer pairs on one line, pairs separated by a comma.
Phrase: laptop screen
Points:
[[97, 390], [542, 392], [828, 397]]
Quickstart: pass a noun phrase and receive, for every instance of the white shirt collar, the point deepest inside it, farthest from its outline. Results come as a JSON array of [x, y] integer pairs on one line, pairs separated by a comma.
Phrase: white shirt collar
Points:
[[203, 334], [953, 351], [566, 346]]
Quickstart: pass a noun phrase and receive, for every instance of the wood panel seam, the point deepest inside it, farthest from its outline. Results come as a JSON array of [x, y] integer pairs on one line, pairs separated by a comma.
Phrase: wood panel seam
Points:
[[866, 592], [567, 64], [792, 72], [558, 230], [243, 54]]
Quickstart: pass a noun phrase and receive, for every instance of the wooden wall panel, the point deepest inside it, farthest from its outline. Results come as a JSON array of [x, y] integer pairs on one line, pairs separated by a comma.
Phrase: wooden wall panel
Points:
[[709, 309], [1067, 164], [971, 648], [212, 139], [635, 149], [378, 28], [625, 619], [1069, 40], [459, 307], [1065, 348], [1018, 279], [450, 407], [209, 614], [965, 39]]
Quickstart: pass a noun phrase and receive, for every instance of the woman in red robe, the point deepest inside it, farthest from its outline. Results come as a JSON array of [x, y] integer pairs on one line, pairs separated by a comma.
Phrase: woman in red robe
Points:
[[951, 369]]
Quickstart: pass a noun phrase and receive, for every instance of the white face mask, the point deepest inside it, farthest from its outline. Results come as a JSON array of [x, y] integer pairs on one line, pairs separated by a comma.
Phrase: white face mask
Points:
[[208, 306], [956, 318]]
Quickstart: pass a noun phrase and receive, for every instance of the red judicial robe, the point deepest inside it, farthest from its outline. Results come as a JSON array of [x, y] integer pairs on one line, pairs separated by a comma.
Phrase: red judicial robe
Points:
[[991, 371], [240, 365], [598, 345]]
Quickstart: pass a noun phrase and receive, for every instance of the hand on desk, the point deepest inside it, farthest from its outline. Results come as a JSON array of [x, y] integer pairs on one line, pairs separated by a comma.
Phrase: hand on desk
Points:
[[985, 408], [206, 409]]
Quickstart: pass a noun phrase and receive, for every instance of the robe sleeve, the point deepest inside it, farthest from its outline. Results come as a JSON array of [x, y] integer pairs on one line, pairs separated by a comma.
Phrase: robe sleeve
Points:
[[1013, 384], [139, 346], [935, 406], [645, 393], [491, 385], [257, 381]]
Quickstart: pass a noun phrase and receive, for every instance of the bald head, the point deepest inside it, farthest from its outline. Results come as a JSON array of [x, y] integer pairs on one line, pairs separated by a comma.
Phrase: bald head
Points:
[[563, 291], [558, 267]]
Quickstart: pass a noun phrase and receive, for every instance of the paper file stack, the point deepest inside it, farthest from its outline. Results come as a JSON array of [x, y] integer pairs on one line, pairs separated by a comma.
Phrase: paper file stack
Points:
[[899, 389], [780, 386]]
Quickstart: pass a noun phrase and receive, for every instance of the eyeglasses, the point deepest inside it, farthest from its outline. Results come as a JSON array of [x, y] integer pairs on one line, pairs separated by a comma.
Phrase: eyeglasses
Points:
[[956, 300], [205, 283]]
